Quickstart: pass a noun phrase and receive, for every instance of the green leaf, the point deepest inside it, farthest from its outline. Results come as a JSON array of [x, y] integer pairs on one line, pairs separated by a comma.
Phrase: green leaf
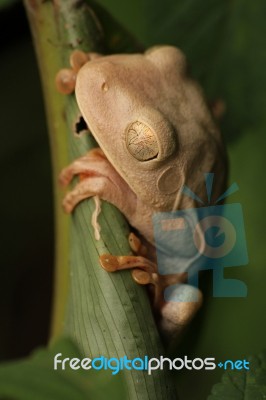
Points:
[[35, 378], [245, 384], [107, 313]]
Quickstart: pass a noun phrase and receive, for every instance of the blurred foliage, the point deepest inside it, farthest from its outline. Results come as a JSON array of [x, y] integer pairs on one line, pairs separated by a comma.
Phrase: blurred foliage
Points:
[[36, 378], [7, 3], [26, 195], [225, 45], [243, 385]]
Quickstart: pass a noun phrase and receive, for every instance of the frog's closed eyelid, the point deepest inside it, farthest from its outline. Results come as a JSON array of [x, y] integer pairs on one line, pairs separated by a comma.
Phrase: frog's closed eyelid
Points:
[[150, 137], [141, 141]]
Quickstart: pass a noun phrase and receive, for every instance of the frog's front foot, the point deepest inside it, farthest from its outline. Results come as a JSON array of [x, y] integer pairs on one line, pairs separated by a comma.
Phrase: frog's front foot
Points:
[[65, 80], [97, 177]]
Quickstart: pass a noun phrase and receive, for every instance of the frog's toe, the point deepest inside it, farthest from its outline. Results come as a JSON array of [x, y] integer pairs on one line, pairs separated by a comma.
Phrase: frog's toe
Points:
[[65, 176], [77, 59], [109, 262], [65, 81], [83, 190], [136, 245], [141, 277]]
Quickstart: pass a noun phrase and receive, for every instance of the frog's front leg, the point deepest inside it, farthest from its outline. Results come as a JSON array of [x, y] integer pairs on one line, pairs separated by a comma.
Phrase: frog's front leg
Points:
[[98, 177]]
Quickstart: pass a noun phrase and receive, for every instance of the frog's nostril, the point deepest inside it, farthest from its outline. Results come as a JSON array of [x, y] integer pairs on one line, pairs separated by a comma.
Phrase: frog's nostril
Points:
[[104, 87]]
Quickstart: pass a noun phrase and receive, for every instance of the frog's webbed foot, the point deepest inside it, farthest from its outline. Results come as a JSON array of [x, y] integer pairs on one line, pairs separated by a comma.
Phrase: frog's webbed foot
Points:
[[172, 316], [65, 80], [144, 271], [97, 178]]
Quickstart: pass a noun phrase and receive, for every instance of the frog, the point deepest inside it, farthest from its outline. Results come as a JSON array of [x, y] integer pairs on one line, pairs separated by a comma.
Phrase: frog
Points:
[[156, 134]]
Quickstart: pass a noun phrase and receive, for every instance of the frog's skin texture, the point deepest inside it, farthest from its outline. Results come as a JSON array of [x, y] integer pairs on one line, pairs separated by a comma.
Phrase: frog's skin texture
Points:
[[156, 134]]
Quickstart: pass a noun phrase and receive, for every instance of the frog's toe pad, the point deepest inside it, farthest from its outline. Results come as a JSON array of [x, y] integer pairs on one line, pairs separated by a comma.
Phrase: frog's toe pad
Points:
[[65, 81], [109, 262], [141, 277]]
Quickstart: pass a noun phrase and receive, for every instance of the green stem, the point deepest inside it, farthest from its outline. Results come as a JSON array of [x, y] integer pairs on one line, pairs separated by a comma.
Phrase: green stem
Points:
[[106, 314]]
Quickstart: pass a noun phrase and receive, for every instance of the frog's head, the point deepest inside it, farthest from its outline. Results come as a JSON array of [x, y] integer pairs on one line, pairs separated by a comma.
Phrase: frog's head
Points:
[[151, 122]]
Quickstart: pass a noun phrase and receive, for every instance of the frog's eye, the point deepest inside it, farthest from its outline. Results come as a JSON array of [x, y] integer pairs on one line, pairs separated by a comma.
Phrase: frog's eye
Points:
[[141, 141]]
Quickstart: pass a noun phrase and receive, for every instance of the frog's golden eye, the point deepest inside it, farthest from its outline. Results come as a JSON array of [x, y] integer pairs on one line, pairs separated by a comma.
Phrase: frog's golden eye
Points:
[[141, 141]]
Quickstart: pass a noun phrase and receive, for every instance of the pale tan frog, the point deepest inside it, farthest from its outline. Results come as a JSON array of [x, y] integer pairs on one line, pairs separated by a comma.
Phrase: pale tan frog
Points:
[[156, 134]]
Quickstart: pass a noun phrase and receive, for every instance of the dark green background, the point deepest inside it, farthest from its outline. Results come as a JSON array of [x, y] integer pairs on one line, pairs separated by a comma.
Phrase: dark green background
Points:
[[225, 44], [26, 194]]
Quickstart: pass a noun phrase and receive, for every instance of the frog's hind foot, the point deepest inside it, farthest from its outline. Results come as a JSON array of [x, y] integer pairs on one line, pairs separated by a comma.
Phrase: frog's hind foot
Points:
[[143, 271]]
